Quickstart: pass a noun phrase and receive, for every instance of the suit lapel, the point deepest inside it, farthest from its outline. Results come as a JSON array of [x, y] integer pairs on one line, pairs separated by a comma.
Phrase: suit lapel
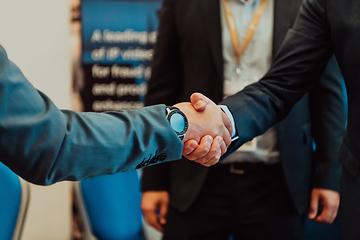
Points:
[[210, 13]]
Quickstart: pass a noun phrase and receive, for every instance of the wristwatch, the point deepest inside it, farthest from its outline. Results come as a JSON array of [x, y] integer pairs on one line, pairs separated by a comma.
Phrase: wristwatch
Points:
[[177, 120]]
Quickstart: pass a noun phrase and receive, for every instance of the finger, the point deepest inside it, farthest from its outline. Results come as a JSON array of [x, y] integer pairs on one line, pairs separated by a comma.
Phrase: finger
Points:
[[213, 160], [226, 137], [202, 149], [325, 216], [329, 201], [214, 154], [163, 212], [336, 209], [314, 205], [151, 218], [227, 123], [189, 147], [200, 101], [334, 215], [148, 207], [328, 214], [223, 148]]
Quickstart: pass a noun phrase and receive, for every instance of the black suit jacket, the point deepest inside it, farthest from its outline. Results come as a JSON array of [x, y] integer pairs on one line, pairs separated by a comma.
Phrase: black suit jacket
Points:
[[188, 58], [322, 28]]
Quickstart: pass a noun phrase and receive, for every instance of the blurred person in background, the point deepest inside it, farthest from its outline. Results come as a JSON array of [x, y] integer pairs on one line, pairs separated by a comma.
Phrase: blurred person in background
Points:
[[267, 188]]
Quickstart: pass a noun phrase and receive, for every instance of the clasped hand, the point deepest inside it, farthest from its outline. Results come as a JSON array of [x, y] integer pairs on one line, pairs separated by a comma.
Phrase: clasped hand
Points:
[[207, 139], [209, 131]]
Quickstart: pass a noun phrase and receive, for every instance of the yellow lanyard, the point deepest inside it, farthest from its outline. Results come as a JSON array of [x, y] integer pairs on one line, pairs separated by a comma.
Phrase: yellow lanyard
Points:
[[250, 32]]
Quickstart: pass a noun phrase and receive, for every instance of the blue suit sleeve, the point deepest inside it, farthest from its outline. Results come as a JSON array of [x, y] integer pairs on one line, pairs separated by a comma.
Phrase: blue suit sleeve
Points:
[[44, 145]]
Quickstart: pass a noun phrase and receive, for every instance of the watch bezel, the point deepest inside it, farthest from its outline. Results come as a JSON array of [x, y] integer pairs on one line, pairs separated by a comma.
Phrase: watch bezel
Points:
[[174, 110]]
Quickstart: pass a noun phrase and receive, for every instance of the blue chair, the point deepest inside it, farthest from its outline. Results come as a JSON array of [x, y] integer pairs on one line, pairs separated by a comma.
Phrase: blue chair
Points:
[[109, 207], [14, 200]]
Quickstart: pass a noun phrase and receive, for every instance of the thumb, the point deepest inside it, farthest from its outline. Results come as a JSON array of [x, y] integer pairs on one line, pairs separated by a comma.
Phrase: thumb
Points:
[[163, 213], [314, 205], [189, 147], [200, 101]]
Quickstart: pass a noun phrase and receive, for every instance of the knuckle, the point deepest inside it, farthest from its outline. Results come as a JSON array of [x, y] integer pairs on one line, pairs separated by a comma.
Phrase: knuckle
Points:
[[205, 160], [213, 161], [209, 156], [217, 153], [207, 148], [220, 125], [204, 149]]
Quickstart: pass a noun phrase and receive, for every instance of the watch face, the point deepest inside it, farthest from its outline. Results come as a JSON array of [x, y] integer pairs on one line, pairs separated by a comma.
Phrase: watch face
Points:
[[177, 121]]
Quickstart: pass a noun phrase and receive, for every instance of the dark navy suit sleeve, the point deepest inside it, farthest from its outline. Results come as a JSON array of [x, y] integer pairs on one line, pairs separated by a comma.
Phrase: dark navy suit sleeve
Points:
[[297, 66], [327, 108], [45, 145]]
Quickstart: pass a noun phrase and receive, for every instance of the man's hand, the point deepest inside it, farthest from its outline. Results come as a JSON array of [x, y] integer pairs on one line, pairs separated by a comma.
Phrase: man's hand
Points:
[[329, 201], [207, 149], [207, 153], [211, 121], [154, 205], [200, 101]]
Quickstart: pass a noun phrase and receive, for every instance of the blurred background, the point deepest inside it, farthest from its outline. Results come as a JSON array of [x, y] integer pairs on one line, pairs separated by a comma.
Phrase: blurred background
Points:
[[36, 36], [44, 39]]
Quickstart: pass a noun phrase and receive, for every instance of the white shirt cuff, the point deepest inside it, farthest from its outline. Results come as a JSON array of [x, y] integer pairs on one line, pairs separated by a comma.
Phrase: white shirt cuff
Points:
[[230, 116]]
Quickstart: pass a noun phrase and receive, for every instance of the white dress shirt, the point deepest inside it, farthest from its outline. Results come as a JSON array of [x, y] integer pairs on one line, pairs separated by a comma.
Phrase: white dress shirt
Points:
[[255, 62]]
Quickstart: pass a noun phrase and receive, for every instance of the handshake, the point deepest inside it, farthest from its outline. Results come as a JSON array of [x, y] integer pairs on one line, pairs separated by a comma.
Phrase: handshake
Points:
[[209, 131]]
